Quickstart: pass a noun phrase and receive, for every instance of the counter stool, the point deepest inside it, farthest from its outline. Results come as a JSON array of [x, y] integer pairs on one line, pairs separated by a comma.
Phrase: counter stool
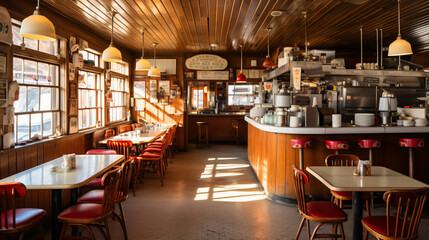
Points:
[[369, 144], [203, 133], [411, 143], [337, 145], [301, 144], [236, 130]]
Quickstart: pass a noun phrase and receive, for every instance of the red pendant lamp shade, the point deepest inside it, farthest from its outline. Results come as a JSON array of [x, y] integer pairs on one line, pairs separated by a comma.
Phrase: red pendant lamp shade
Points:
[[241, 78], [268, 63]]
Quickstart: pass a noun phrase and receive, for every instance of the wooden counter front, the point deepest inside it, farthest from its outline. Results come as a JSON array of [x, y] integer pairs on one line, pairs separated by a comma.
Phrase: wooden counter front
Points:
[[271, 157], [220, 127]]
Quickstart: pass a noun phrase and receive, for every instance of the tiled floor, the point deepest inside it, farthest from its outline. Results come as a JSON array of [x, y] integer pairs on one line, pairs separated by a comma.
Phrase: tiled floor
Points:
[[211, 194]]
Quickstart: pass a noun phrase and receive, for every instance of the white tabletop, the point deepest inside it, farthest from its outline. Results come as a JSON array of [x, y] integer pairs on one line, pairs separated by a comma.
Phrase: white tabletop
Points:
[[381, 179], [87, 168], [137, 138]]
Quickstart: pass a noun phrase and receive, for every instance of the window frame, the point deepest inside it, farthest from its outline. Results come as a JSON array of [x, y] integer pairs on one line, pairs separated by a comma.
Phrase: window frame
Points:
[[126, 96]]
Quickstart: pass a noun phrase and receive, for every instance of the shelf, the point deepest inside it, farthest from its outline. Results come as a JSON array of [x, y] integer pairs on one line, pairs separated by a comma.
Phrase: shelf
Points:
[[285, 69]]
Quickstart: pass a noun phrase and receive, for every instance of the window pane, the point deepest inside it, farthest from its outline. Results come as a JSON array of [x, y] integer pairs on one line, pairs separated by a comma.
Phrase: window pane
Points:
[[80, 118], [33, 99], [85, 118], [47, 47], [43, 73], [84, 98], [23, 127], [30, 43], [90, 83], [30, 74], [45, 99], [36, 124], [20, 105], [47, 124], [17, 69], [55, 98], [54, 75], [92, 100], [93, 117], [17, 39], [83, 84]]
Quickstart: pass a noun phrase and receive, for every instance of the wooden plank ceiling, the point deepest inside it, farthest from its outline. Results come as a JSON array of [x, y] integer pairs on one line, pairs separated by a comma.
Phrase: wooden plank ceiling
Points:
[[183, 26]]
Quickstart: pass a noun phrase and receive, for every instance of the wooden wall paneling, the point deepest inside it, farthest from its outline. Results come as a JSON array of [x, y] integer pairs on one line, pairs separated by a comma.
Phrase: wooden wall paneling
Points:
[[281, 167], [4, 165], [271, 160]]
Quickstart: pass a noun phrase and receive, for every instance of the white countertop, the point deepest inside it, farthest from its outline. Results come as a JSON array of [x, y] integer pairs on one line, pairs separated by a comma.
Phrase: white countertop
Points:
[[381, 179], [87, 168], [331, 130]]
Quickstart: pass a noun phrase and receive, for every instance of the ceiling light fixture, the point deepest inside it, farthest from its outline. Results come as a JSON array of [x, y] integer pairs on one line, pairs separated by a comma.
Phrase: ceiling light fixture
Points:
[[214, 45], [142, 64], [399, 47], [241, 78], [268, 63], [38, 27], [154, 72], [276, 13], [112, 54]]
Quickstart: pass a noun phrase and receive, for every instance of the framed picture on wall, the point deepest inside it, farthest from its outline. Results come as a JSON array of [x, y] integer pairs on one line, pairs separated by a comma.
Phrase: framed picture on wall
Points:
[[73, 128], [153, 93], [72, 107], [189, 75], [139, 89]]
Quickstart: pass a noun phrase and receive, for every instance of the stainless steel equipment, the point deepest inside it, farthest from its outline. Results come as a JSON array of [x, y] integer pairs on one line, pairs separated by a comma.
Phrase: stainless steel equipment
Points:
[[281, 117], [282, 99]]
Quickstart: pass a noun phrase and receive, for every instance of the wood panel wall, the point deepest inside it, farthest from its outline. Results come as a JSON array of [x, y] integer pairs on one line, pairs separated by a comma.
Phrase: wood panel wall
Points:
[[220, 127], [272, 157]]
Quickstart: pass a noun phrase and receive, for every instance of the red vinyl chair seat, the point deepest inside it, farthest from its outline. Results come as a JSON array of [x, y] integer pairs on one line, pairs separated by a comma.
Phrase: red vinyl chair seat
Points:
[[82, 211], [93, 196], [24, 216], [379, 224], [149, 156], [155, 143], [101, 152], [153, 150], [95, 183], [323, 209]]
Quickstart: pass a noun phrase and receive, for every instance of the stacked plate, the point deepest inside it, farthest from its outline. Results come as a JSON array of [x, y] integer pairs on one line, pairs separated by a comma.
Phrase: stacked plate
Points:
[[364, 119]]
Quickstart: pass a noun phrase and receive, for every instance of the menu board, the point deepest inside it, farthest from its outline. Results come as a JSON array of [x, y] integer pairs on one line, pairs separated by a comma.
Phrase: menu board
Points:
[[212, 75], [206, 62]]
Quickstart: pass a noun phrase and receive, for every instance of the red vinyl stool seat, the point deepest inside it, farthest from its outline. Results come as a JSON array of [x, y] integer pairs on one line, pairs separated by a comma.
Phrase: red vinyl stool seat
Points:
[[337, 145], [369, 144], [101, 152], [411, 143], [301, 144]]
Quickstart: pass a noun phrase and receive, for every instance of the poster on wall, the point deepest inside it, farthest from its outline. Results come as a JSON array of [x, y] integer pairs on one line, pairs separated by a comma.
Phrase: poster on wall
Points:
[[72, 107], [3, 93], [5, 26], [139, 89], [3, 65], [153, 91], [73, 128], [72, 72], [164, 91]]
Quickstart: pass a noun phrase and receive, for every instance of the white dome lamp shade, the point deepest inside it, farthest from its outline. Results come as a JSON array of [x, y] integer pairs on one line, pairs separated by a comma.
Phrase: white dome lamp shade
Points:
[[399, 47], [38, 27], [154, 71], [143, 64], [112, 54]]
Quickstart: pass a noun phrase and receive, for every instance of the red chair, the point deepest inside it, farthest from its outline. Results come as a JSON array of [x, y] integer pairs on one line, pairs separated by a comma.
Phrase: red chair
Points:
[[337, 145], [411, 143], [101, 152], [344, 160], [109, 133], [122, 147], [321, 212], [93, 213], [14, 220], [123, 129], [404, 222], [96, 196]]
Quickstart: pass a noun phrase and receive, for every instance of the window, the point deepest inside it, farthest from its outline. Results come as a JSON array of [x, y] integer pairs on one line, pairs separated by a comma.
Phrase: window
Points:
[[48, 47], [91, 100], [91, 58], [121, 68], [118, 107], [242, 95], [37, 110], [197, 98]]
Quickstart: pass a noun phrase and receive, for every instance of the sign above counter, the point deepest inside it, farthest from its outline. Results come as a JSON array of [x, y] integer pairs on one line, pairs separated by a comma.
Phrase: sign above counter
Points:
[[206, 62], [212, 75]]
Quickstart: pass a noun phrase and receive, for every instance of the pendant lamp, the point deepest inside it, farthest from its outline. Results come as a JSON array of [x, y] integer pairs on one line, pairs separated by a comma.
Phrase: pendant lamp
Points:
[[112, 54], [143, 64], [38, 27], [154, 72], [268, 63], [400, 47], [241, 78]]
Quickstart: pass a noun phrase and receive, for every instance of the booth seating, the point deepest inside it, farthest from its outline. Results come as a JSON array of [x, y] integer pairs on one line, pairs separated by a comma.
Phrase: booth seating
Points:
[[411, 143]]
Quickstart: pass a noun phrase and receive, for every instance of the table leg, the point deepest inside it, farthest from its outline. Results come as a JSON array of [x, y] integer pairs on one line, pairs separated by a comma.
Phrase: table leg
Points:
[[357, 216], [56, 209], [74, 194]]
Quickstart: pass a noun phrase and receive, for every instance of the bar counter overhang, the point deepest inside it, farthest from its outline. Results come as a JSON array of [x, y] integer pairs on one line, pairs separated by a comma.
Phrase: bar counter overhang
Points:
[[271, 156]]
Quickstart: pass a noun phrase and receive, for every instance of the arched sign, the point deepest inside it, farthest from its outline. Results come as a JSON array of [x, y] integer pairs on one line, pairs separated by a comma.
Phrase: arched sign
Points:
[[206, 62], [5, 27]]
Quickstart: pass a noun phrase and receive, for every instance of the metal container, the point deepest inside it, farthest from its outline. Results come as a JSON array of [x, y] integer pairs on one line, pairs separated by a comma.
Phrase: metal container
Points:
[[282, 99], [281, 117]]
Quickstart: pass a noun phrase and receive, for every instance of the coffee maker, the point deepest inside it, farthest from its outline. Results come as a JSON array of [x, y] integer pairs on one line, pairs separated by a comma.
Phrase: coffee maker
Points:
[[387, 104]]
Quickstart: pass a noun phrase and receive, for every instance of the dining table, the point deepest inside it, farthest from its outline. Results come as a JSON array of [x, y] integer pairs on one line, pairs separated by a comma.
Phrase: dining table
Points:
[[381, 179], [138, 137], [52, 176]]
